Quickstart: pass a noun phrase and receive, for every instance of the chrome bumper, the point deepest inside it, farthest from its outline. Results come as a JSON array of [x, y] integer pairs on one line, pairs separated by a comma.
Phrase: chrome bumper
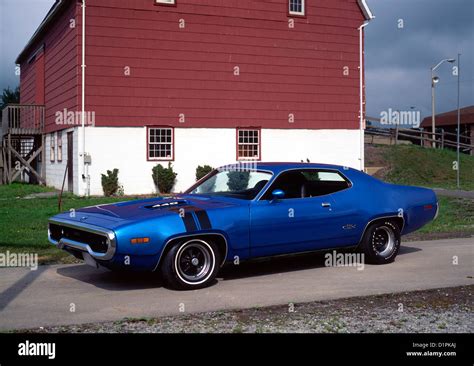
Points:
[[437, 211], [84, 247]]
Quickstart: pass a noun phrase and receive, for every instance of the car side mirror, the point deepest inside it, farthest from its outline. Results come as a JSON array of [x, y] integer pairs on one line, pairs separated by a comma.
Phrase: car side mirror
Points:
[[278, 194]]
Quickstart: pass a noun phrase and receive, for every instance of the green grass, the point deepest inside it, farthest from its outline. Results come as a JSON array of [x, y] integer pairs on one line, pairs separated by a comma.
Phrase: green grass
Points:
[[23, 225], [414, 165], [22, 190], [455, 215]]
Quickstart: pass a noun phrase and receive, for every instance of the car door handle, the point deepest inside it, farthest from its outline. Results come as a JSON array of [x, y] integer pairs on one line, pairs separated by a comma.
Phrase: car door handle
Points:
[[326, 204]]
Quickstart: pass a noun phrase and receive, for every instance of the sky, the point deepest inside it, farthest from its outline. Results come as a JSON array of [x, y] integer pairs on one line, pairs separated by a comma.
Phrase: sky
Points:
[[18, 21], [398, 60], [406, 38]]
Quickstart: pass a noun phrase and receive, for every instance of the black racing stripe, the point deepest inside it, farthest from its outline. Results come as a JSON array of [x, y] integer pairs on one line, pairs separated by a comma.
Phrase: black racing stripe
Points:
[[203, 219], [183, 209], [189, 222]]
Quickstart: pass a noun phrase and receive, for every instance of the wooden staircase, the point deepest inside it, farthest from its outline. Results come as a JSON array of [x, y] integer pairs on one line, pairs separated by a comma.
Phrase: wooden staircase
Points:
[[22, 144]]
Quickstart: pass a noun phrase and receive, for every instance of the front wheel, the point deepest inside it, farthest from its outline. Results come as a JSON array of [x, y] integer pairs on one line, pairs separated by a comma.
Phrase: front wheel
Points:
[[381, 242], [191, 264]]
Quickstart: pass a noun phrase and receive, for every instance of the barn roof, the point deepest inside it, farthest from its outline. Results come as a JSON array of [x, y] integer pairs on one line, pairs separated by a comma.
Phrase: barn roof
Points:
[[451, 118]]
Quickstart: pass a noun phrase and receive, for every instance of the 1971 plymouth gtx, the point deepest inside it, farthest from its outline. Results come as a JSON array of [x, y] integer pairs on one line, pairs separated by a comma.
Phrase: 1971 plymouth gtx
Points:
[[237, 212]]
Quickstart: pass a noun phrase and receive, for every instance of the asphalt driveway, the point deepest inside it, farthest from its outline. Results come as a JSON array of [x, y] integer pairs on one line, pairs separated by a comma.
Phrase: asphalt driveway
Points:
[[74, 294]]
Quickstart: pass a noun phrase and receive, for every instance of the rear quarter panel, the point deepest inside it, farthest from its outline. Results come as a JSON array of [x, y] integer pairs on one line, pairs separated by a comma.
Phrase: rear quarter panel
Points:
[[377, 199], [419, 205]]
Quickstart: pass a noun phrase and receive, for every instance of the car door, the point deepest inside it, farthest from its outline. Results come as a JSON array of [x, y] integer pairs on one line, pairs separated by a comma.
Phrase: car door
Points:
[[298, 222], [349, 216]]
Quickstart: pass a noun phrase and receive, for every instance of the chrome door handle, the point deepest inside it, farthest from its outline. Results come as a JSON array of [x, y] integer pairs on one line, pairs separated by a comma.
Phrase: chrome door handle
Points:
[[326, 204]]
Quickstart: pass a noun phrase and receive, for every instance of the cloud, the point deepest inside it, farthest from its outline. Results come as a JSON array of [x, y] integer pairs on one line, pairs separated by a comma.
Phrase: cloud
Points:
[[18, 21], [398, 59]]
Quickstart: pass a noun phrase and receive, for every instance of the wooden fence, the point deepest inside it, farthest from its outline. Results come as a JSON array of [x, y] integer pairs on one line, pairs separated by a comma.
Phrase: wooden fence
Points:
[[441, 139]]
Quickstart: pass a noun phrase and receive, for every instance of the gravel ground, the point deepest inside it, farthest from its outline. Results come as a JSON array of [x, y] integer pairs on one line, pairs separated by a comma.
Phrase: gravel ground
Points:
[[435, 311]]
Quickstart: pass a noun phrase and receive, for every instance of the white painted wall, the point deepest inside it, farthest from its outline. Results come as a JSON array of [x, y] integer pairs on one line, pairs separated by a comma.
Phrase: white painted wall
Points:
[[55, 170], [340, 147], [76, 173], [125, 148]]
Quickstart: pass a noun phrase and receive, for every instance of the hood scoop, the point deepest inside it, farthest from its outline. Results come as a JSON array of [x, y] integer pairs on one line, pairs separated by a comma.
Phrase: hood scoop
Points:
[[166, 205]]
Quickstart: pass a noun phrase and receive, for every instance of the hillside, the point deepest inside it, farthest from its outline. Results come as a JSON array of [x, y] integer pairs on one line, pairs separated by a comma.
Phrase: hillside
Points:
[[414, 165]]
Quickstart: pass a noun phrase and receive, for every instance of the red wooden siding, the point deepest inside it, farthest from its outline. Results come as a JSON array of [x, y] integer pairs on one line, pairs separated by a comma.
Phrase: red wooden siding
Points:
[[40, 78], [28, 81], [59, 63], [189, 71]]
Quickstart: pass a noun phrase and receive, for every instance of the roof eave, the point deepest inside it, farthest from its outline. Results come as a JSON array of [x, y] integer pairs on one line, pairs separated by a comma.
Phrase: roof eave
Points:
[[57, 6], [365, 10]]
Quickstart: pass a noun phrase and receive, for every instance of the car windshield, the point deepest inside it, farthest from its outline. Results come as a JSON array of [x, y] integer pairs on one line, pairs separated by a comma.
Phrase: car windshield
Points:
[[232, 183]]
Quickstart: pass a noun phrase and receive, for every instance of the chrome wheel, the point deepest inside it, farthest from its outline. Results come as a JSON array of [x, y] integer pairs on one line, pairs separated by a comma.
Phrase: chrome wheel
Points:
[[383, 240], [194, 262]]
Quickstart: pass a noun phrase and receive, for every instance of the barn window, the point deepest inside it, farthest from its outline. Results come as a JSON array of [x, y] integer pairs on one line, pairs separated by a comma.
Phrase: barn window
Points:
[[248, 144], [60, 145], [160, 143], [52, 156], [165, 2], [297, 7]]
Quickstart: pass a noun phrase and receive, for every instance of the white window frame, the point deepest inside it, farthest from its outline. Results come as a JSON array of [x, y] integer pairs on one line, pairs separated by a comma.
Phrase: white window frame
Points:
[[52, 150], [165, 2], [258, 143], [150, 143], [303, 8], [59, 144]]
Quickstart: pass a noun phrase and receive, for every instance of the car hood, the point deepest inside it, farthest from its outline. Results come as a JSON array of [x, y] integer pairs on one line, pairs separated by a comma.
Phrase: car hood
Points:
[[152, 208]]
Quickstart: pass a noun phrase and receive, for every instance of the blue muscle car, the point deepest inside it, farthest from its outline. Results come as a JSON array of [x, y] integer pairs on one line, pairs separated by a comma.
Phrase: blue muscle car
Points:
[[242, 212]]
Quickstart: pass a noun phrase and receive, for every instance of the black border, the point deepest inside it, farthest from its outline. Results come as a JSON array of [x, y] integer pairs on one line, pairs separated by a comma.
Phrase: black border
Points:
[[126, 347]]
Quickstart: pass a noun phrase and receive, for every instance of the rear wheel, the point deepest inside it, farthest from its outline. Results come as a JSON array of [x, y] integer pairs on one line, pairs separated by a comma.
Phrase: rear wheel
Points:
[[191, 264], [381, 242]]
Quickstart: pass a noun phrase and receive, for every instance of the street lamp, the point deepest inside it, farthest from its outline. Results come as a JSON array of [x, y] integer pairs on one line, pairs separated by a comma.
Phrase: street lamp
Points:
[[435, 80], [458, 132]]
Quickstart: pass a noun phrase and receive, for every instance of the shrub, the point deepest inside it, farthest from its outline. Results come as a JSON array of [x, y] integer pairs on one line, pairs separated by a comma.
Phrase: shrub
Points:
[[120, 191], [238, 181], [202, 171], [110, 184], [164, 178]]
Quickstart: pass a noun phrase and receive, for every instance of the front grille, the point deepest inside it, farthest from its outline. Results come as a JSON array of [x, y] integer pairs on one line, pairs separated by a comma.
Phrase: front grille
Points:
[[97, 242]]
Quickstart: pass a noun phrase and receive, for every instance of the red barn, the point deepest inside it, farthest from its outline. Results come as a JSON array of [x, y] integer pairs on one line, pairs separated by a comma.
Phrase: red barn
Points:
[[194, 83]]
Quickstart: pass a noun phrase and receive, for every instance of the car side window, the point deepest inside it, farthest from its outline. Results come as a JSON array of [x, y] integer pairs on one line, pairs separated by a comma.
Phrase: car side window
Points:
[[307, 183]]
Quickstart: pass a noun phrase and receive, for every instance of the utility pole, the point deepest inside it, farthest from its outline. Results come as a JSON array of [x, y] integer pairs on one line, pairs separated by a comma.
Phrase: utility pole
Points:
[[435, 80], [433, 124], [459, 123]]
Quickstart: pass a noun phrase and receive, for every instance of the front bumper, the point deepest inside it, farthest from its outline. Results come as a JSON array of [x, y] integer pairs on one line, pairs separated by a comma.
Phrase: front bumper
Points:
[[80, 245]]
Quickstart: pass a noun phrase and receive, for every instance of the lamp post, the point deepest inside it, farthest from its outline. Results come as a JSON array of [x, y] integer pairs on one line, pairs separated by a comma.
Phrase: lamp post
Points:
[[459, 122], [435, 80]]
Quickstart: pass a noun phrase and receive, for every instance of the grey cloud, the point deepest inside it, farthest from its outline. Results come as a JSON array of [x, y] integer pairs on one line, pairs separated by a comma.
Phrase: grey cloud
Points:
[[18, 21], [398, 61]]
